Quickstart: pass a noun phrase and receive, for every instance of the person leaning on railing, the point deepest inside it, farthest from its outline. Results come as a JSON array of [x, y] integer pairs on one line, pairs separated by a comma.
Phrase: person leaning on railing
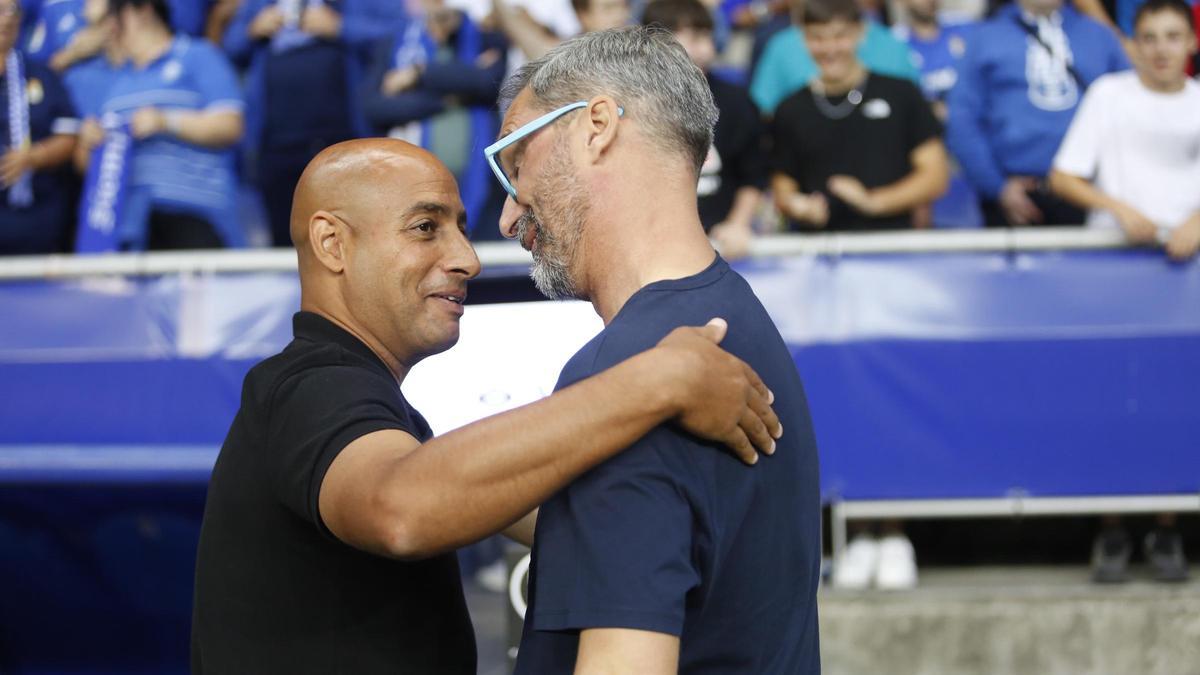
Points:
[[1132, 154]]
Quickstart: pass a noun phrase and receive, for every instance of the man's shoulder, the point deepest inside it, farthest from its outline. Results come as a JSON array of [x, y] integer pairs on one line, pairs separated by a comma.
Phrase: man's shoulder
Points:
[[797, 104], [1118, 84], [326, 367], [890, 85]]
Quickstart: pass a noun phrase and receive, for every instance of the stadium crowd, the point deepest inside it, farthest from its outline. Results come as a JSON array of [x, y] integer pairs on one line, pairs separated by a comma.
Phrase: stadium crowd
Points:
[[167, 124], [184, 124]]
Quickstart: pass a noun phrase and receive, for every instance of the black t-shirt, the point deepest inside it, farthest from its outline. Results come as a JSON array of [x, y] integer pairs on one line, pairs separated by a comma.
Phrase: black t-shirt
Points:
[[276, 592], [872, 143], [738, 158]]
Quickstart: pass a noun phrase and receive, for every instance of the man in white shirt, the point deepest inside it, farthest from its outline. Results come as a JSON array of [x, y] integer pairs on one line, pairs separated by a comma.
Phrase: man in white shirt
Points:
[[1132, 153]]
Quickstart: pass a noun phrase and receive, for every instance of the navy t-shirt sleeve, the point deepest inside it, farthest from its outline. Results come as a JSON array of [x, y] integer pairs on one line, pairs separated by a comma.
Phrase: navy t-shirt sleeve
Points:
[[313, 415], [618, 553]]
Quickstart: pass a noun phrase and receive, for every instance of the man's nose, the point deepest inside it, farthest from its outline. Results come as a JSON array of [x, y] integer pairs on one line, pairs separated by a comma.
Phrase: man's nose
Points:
[[462, 258], [509, 216]]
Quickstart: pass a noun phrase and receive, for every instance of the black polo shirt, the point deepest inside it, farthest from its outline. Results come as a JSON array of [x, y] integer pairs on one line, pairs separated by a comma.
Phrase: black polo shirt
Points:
[[276, 592]]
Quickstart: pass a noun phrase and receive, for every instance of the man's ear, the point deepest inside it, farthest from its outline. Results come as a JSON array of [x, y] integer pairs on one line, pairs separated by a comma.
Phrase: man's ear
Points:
[[602, 120], [327, 236]]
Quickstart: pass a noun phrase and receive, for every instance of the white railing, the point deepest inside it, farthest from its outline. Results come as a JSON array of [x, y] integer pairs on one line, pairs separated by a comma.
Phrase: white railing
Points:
[[508, 253]]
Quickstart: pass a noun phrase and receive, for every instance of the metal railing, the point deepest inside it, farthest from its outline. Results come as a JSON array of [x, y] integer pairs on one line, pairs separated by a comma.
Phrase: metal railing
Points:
[[510, 254]]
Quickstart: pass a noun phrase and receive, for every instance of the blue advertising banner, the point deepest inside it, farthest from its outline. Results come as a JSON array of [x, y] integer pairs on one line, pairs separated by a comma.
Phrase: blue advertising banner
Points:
[[929, 376]]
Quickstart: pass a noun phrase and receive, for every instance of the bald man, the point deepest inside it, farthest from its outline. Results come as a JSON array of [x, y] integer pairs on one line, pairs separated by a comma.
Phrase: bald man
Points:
[[332, 516]]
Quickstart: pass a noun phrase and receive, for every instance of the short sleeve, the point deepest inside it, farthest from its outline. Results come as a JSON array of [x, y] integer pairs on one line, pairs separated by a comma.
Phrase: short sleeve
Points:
[[923, 124], [313, 416], [1079, 153], [615, 549], [785, 147], [215, 78]]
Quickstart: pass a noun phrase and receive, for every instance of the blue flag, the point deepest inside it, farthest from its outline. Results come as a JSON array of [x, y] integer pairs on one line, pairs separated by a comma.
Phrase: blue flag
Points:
[[104, 190]]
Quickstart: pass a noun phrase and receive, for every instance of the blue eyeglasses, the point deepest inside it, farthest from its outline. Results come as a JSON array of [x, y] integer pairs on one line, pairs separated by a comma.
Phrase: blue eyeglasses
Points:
[[491, 151]]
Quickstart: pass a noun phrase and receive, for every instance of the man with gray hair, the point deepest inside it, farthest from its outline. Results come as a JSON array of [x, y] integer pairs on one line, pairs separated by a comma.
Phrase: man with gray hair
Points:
[[656, 561]]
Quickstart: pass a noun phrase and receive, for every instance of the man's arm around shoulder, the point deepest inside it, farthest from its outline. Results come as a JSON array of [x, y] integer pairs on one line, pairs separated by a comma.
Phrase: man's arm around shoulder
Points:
[[389, 494]]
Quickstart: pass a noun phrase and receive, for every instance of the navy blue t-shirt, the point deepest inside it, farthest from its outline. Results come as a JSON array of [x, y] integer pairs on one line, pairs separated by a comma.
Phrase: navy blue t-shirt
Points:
[[678, 536]]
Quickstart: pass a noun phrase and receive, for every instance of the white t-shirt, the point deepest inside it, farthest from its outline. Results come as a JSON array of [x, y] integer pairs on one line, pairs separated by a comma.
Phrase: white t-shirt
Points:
[[1139, 146]]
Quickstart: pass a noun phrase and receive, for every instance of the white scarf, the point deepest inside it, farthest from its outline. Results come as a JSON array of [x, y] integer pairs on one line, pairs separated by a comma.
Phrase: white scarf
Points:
[[20, 194]]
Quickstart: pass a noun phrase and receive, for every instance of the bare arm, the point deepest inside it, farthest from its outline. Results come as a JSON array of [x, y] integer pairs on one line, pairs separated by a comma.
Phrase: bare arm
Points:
[[522, 31], [207, 128], [926, 182], [621, 651], [388, 494], [808, 209], [1080, 192], [733, 235], [48, 153]]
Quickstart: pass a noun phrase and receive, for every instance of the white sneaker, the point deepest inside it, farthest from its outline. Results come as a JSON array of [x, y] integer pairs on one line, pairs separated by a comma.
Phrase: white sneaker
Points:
[[854, 569], [897, 567]]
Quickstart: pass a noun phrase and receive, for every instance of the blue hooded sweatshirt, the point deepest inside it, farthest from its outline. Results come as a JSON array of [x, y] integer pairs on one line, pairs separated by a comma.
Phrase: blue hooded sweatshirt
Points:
[[1014, 98]]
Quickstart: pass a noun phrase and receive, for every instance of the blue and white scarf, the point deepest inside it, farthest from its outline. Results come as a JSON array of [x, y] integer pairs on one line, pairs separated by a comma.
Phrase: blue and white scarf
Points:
[[20, 194], [105, 188], [413, 47], [290, 36]]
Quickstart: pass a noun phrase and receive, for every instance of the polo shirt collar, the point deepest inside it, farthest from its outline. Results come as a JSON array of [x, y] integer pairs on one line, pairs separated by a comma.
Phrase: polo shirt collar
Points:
[[316, 328]]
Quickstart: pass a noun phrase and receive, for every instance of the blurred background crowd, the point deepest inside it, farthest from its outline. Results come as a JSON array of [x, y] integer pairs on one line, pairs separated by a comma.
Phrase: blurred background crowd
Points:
[[183, 124], [133, 125]]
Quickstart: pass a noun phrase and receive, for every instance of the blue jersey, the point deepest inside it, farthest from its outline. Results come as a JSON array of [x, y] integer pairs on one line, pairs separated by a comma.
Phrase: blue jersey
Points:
[[58, 21], [937, 59], [677, 536], [167, 173], [88, 84]]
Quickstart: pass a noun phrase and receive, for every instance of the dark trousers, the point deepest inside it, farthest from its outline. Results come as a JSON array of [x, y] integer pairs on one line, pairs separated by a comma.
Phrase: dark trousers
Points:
[[279, 170], [177, 231], [1055, 211]]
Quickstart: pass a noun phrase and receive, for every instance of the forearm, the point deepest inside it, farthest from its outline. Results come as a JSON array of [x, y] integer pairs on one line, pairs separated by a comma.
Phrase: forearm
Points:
[[455, 78], [209, 129], [784, 191], [52, 152], [745, 205], [526, 34], [1080, 192], [916, 189], [78, 49], [482, 478]]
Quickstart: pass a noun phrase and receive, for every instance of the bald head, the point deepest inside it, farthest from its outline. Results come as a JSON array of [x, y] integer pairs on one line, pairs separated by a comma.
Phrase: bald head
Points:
[[380, 231], [352, 180]]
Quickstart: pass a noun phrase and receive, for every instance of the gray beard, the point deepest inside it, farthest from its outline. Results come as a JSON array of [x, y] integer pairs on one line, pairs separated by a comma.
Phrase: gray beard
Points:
[[550, 272], [556, 254]]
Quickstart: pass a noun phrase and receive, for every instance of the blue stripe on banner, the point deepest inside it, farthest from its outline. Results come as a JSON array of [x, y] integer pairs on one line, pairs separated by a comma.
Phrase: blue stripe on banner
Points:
[[106, 464]]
